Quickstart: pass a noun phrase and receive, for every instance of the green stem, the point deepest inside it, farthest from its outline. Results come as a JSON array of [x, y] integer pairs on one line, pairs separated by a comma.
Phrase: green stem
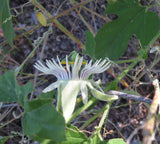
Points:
[[24, 34], [93, 118], [96, 115], [84, 107], [135, 61], [29, 56], [59, 99], [73, 2], [48, 21], [87, 25], [58, 24], [12, 120], [68, 33], [33, 51], [125, 61], [105, 114]]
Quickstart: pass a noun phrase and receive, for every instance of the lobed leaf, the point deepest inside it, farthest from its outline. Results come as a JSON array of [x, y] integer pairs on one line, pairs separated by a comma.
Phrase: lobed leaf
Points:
[[112, 39], [74, 136], [10, 91], [6, 21], [42, 122], [90, 44]]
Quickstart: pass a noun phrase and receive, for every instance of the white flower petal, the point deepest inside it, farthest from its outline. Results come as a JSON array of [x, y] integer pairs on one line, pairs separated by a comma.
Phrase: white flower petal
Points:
[[68, 68], [38, 65], [96, 84], [84, 92], [69, 91], [76, 67], [52, 86], [65, 74], [100, 95], [97, 67]]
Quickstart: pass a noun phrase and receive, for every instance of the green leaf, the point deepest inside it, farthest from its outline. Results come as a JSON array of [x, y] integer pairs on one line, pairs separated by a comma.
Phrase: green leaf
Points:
[[112, 39], [6, 21], [10, 91], [73, 55], [74, 136], [3, 139], [41, 121], [112, 86], [48, 95], [143, 52], [116, 141], [95, 140], [90, 44]]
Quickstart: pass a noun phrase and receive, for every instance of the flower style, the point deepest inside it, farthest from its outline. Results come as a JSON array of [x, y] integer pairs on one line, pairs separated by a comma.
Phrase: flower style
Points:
[[71, 81]]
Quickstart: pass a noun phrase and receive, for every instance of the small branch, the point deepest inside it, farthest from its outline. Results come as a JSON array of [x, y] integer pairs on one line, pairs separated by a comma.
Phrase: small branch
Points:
[[134, 133], [52, 19], [70, 9], [9, 105], [11, 120], [104, 116], [21, 35], [36, 46], [130, 96], [58, 24], [149, 129]]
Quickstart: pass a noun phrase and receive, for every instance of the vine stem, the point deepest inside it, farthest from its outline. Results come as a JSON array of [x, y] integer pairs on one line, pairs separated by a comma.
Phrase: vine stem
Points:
[[12, 120], [84, 107], [104, 117], [59, 99], [136, 60], [52, 19], [35, 48], [149, 129], [58, 24], [93, 118]]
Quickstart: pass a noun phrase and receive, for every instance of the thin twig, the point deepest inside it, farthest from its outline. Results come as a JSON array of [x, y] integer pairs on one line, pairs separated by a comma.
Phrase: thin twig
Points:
[[9, 105], [134, 133], [149, 127], [58, 24], [5, 113], [12, 120], [130, 96], [52, 19], [117, 130], [41, 55], [94, 13]]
